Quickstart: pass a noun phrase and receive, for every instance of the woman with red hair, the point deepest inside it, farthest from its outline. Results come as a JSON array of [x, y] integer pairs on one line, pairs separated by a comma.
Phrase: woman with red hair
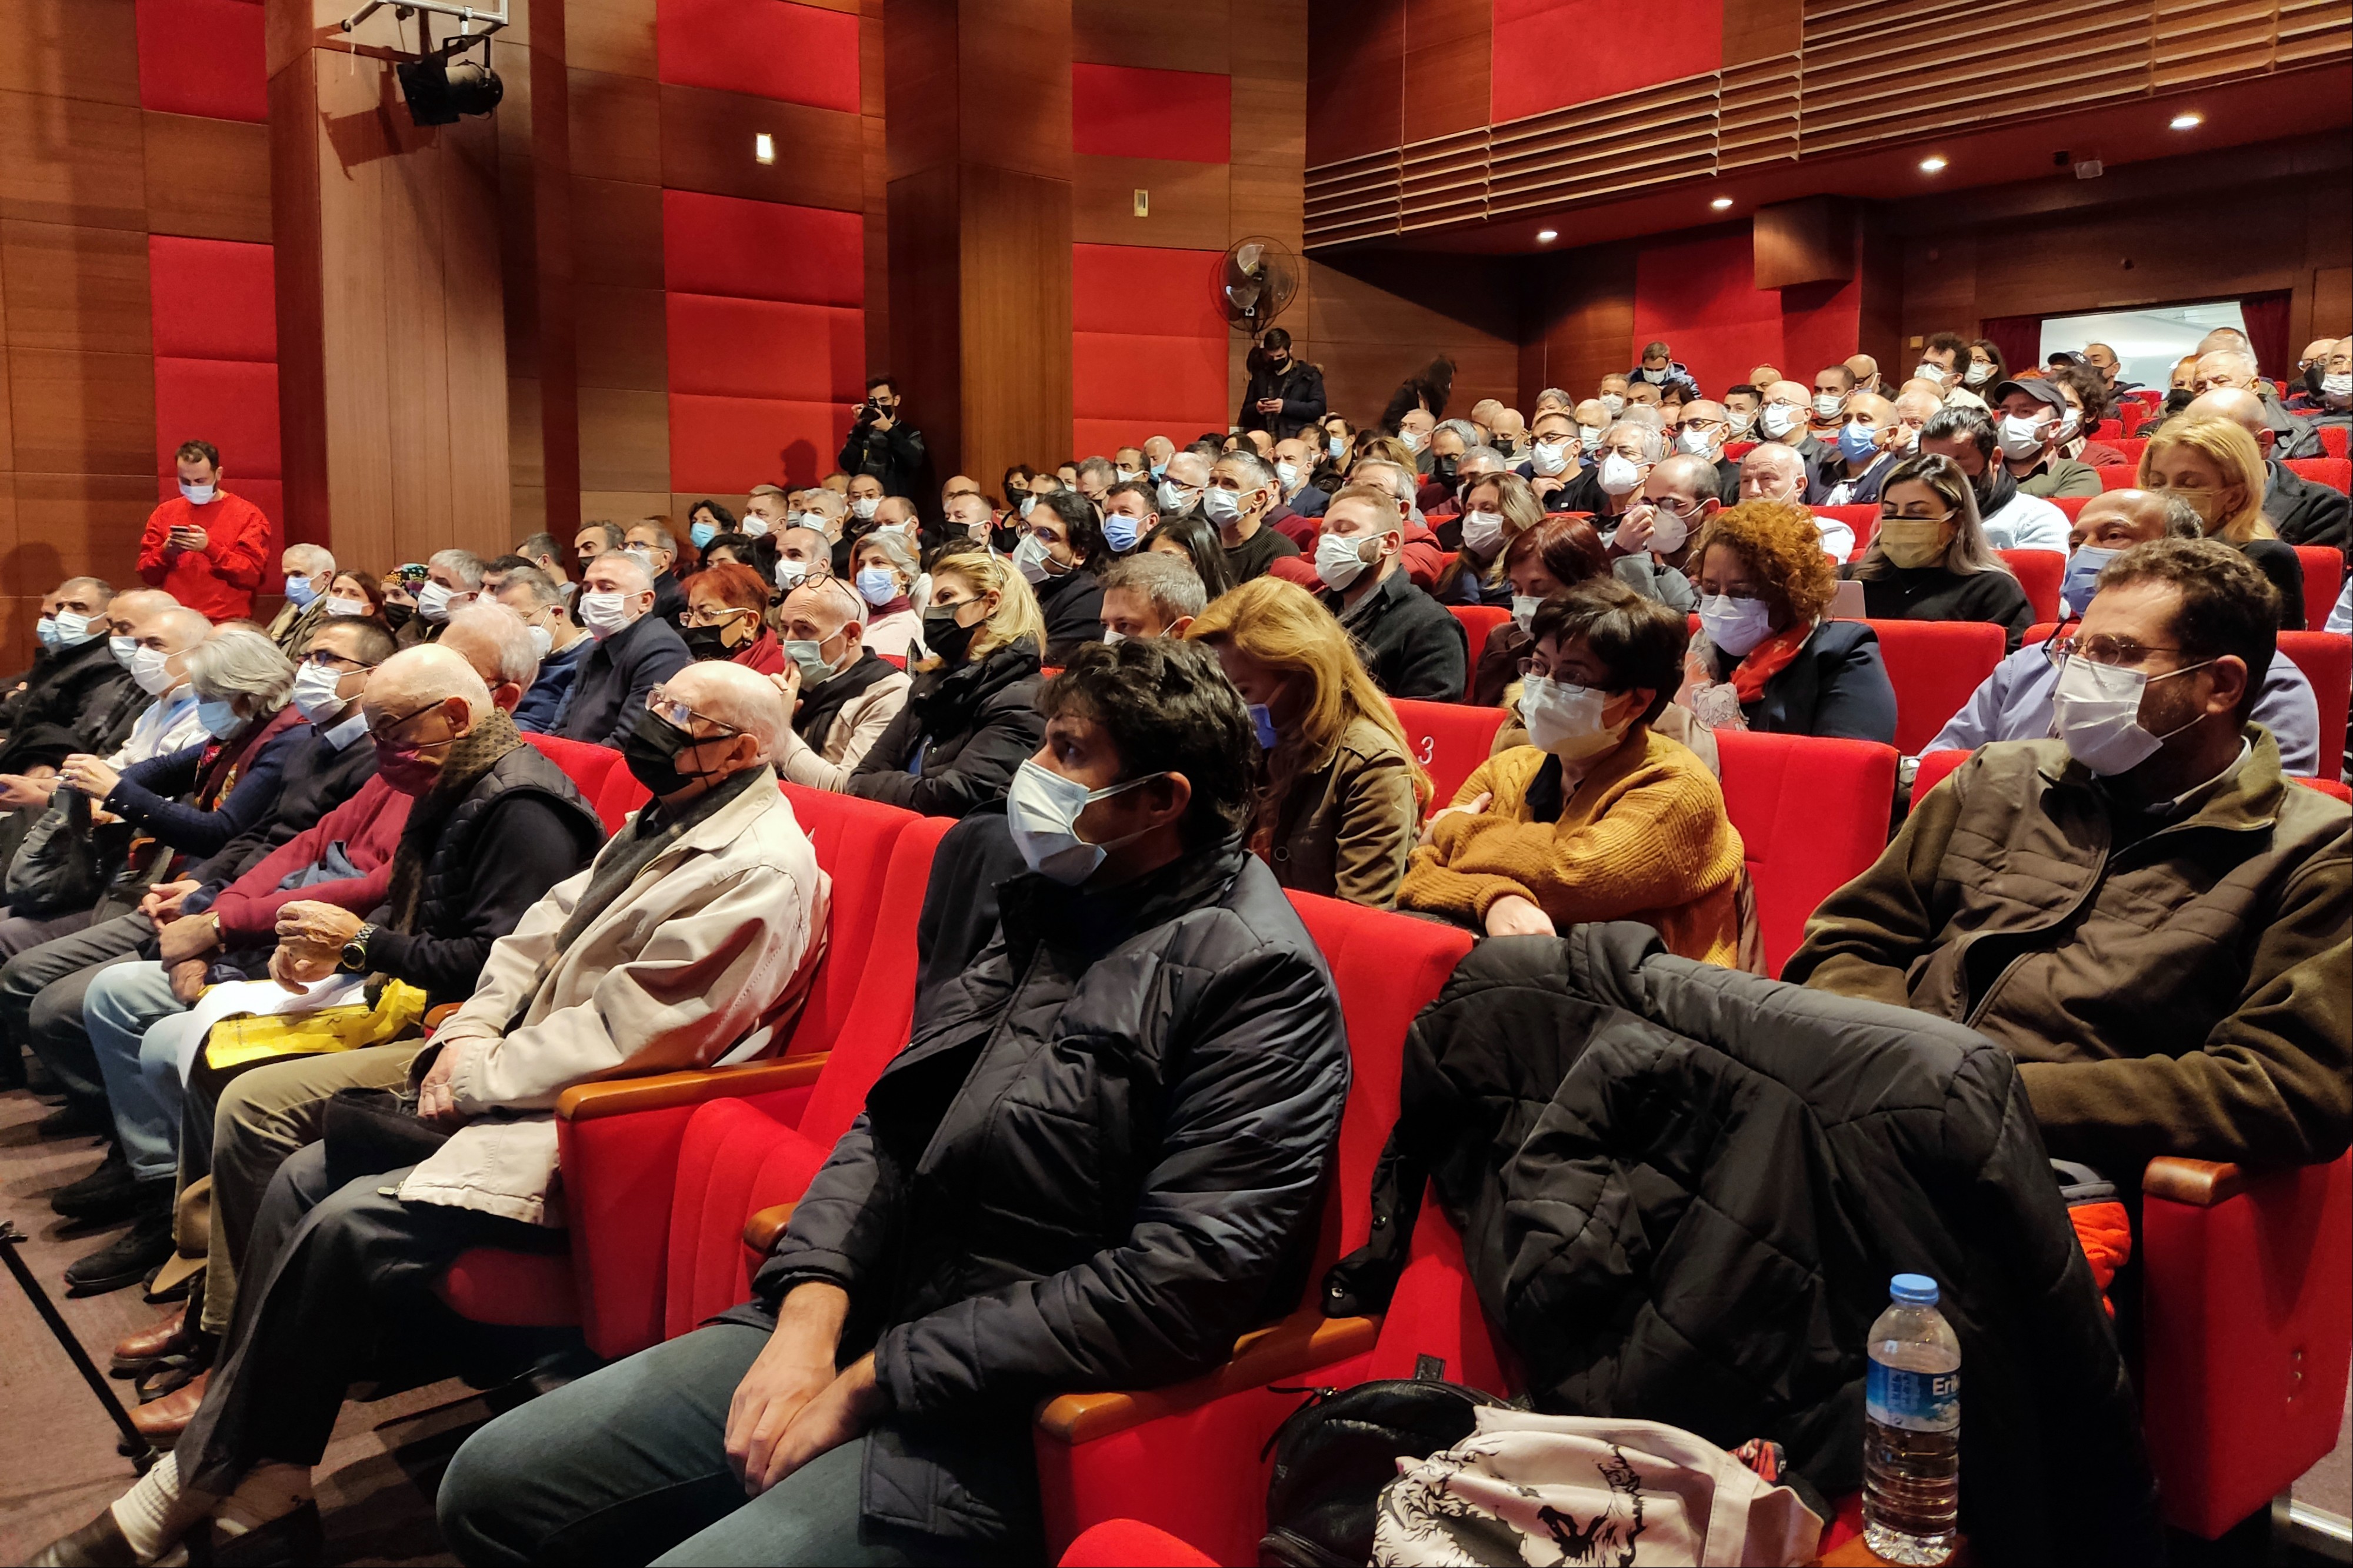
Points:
[[726, 609]]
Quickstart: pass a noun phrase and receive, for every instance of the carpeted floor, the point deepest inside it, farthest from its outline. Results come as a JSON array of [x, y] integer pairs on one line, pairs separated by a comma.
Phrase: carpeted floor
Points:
[[57, 1460]]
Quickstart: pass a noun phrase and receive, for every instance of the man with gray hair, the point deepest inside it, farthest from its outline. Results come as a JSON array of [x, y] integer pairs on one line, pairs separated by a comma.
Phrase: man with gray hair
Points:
[[1772, 471], [559, 642], [765, 510], [452, 579], [651, 541], [635, 651], [1152, 594], [308, 569], [1621, 461], [1096, 475], [2231, 368], [497, 642], [1241, 492]]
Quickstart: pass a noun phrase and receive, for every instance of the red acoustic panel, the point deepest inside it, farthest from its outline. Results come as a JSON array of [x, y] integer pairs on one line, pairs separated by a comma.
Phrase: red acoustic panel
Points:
[[726, 445], [1700, 295], [1129, 111], [201, 57], [766, 349], [233, 404], [762, 250], [211, 298], [1114, 375], [768, 48], [1549, 53], [1119, 288]]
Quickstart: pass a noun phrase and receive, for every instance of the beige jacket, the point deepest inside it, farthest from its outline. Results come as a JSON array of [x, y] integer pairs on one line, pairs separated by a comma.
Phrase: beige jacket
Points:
[[702, 959], [853, 732]]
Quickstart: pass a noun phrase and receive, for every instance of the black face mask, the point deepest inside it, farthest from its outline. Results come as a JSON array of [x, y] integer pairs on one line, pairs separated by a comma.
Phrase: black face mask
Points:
[[706, 642], [1441, 468], [2177, 399], [944, 636], [651, 751]]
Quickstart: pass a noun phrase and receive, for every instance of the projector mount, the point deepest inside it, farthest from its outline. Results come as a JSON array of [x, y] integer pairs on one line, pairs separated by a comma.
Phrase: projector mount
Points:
[[489, 19]]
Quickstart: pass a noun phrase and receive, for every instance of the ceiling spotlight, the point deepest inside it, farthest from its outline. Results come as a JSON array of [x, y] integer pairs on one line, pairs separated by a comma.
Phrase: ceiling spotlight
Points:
[[763, 147], [2188, 119], [1546, 236], [1932, 163], [438, 91], [1721, 203]]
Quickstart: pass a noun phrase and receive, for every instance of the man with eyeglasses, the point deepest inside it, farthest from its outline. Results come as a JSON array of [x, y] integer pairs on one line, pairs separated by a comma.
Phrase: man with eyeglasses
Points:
[[689, 939], [1862, 448], [2145, 910], [561, 644], [1648, 551], [1703, 427], [1621, 461]]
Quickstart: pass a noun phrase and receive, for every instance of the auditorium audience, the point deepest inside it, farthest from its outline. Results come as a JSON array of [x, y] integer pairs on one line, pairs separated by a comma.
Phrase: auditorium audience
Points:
[[2216, 469], [452, 579], [2234, 367], [884, 564], [1285, 395], [2191, 998], [1782, 414], [71, 699], [1131, 815], [560, 643], [1190, 537], [1152, 594], [2013, 703], [1774, 472], [1061, 548], [2008, 517], [1863, 447], [1766, 657], [1930, 561], [726, 613], [2328, 387], [1420, 554], [1650, 549], [360, 595], [2102, 360], [1241, 491], [839, 696], [635, 651], [1986, 369], [659, 550], [1597, 818], [2034, 421], [1832, 386], [2301, 511], [1621, 461], [1497, 508], [310, 572], [706, 519], [1339, 797], [1294, 470], [1413, 646], [1539, 564], [205, 547]]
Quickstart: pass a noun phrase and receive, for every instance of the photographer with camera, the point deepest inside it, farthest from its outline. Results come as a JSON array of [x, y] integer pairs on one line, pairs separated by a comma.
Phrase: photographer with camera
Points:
[[884, 445]]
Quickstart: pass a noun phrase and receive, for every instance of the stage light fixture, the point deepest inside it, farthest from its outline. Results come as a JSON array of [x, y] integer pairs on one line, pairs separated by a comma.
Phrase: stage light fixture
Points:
[[2188, 119], [1932, 163], [438, 92], [1721, 203], [1546, 236]]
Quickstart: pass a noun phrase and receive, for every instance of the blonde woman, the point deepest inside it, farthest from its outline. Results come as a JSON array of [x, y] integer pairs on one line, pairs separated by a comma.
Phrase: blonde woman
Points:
[[1929, 561], [1339, 797], [972, 709], [1497, 510], [2213, 467]]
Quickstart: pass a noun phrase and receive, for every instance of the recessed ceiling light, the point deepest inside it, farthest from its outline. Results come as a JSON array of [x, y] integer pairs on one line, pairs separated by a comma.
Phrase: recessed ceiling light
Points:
[[2188, 119], [1721, 203], [1546, 236], [1931, 163], [764, 148]]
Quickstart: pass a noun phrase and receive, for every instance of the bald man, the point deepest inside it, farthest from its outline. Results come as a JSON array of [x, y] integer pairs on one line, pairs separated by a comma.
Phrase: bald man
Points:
[[1787, 406], [1865, 371], [2304, 512], [2013, 703], [1772, 471], [1869, 442], [2231, 366]]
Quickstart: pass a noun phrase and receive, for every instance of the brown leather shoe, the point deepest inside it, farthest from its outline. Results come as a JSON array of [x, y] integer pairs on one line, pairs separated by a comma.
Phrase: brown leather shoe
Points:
[[97, 1544], [171, 1334], [161, 1421]]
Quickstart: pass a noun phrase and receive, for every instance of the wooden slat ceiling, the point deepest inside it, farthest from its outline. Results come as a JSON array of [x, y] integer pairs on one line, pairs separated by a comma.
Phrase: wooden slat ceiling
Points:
[[1867, 72]]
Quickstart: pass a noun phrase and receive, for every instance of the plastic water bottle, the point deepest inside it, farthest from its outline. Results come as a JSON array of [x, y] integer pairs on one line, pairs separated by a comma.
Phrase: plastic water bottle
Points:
[[1912, 1428]]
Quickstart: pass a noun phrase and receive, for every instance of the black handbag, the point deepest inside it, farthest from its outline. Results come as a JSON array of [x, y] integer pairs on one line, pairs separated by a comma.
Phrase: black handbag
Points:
[[1336, 1452], [368, 1132]]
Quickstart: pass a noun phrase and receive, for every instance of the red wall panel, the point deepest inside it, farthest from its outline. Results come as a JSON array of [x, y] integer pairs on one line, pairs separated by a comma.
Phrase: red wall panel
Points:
[[1127, 382], [718, 444], [202, 57], [1128, 112], [767, 348], [1548, 54], [769, 48], [211, 298], [1699, 294], [215, 330], [231, 403], [762, 250]]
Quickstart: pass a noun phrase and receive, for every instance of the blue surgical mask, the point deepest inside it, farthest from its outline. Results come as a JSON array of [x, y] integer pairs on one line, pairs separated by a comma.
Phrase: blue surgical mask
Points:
[[1262, 722], [1857, 443], [299, 593], [1043, 808], [877, 585], [2083, 574], [1159, 471], [1119, 532], [219, 719], [702, 534]]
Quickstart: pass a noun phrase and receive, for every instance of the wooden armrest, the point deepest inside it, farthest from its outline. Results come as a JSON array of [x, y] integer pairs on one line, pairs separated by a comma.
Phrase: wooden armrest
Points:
[[2201, 1183], [761, 1231], [621, 1096], [1297, 1344]]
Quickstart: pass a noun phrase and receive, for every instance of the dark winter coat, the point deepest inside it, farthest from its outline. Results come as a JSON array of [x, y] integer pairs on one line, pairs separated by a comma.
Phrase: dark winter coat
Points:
[[68, 705], [972, 724], [1684, 1189]]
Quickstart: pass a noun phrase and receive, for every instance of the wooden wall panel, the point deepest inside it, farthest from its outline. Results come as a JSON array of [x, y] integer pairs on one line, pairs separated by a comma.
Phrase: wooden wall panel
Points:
[[615, 37], [874, 170], [613, 121], [1449, 47], [66, 160], [1270, 156], [624, 441], [1384, 318], [706, 145], [1356, 79], [71, 49], [1016, 262], [82, 413], [70, 523], [622, 507], [624, 338], [1193, 36], [1188, 206], [1761, 29], [2332, 302], [617, 234], [83, 290], [1580, 320], [207, 178]]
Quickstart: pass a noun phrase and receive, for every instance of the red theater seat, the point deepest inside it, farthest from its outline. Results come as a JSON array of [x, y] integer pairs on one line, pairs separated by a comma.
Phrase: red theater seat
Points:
[[2132, 447], [1450, 740], [2118, 477], [2072, 505], [1813, 815], [1934, 666], [2040, 573], [2333, 440], [1862, 520], [1735, 451], [2326, 660], [590, 769], [2336, 789], [1935, 768], [2337, 473], [2324, 576], [1479, 623]]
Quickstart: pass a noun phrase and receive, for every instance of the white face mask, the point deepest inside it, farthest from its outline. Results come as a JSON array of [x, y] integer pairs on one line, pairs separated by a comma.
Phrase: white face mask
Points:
[[790, 573], [1612, 404], [70, 628], [1482, 532], [1043, 808], [433, 602], [1618, 475], [1979, 373], [1174, 497], [1524, 610], [753, 526], [1923, 371], [339, 605], [605, 613], [1566, 719], [542, 641], [2069, 426], [1336, 561], [1827, 403], [2337, 383], [1590, 435], [1549, 458], [1128, 476], [1736, 626], [1695, 443], [147, 668], [1224, 507], [124, 650], [315, 696], [1653, 377], [1414, 440], [1030, 559], [2095, 709], [198, 495], [1668, 532], [2020, 438], [1776, 420], [1289, 474], [866, 505]]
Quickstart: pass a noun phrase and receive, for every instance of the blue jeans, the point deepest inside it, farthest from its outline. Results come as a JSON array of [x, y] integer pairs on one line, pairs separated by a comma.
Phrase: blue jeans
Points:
[[136, 1027], [628, 1464]]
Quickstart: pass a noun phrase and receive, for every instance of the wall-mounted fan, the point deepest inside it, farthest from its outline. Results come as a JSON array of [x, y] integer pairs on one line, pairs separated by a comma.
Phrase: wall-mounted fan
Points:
[[1257, 278]]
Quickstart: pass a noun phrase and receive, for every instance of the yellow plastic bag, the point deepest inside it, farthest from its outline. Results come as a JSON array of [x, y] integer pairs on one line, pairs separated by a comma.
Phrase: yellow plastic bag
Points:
[[235, 1042]]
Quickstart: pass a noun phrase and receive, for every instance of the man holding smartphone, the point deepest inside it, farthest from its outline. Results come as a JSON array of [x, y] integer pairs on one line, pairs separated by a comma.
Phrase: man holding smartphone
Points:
[[205, 547]]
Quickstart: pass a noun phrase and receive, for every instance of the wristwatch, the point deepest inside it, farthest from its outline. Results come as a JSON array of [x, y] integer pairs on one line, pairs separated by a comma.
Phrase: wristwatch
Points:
[[355, 954]]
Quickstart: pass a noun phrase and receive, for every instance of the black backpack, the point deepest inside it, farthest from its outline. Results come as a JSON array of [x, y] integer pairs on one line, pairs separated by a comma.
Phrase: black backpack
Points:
[[1336, 1452]]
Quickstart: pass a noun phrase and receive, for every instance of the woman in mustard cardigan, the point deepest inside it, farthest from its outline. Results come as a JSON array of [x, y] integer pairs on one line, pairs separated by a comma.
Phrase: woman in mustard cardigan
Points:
[[1599, 819]]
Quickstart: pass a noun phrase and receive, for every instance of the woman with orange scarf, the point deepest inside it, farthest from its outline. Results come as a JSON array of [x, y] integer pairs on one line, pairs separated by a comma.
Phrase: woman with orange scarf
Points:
[[1765, 658]]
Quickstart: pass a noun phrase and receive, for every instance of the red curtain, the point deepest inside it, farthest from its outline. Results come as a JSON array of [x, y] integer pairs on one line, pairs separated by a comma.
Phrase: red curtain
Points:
[[2019, 339], [2266, 316]]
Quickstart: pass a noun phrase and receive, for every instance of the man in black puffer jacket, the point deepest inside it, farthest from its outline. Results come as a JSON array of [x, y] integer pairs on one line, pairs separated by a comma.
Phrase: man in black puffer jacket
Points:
[[1684, 1189], [1097, 1162]]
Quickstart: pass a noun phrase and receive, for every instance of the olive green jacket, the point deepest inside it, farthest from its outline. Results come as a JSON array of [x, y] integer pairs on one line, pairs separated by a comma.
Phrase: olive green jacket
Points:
[[1344, 830]]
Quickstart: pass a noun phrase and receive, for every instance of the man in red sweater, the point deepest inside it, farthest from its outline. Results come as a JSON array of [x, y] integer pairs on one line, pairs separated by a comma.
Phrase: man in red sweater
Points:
[[208, 548]]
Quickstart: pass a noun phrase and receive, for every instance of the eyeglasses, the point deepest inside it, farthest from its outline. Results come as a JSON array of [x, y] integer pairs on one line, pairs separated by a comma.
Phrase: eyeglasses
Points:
[[386, 731], [334, 661], [716, 615], [663, 706], [2102, 649]]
